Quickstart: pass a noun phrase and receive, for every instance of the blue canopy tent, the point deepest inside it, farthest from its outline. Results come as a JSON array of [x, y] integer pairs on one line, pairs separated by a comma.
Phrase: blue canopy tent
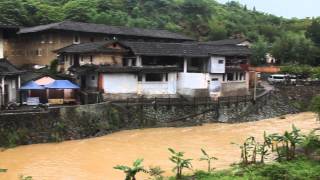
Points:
[[32, 86], [61, 92], [62, 84], [35, 93]]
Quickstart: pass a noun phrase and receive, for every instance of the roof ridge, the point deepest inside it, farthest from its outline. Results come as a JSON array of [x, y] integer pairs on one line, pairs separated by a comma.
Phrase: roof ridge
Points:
[[106, 29]]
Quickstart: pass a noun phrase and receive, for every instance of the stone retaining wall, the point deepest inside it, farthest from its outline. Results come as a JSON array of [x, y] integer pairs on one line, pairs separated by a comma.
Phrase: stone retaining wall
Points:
[[76, 122]]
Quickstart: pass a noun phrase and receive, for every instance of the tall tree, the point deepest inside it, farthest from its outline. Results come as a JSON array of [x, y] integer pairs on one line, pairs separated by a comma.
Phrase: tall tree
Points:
[[259, 52], [313, 31]]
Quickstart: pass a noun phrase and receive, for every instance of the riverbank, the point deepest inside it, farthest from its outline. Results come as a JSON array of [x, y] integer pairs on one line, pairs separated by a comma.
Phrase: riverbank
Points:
[[94, 159], [297, 169]]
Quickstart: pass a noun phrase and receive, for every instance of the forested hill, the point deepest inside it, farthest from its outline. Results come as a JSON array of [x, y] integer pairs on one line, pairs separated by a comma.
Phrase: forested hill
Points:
[[202, 19]]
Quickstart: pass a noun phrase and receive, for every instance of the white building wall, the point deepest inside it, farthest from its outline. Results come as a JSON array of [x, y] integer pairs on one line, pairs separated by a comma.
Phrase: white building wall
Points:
[[192, 80], [215, 66], [193, 84], [164, 87], [120, 83], [12, 90], [1, 45]]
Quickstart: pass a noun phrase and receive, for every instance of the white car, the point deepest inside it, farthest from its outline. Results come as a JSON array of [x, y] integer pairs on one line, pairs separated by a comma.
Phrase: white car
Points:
[[277, 78]]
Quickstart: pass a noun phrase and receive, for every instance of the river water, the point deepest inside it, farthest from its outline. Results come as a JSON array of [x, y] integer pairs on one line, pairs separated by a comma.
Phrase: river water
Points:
[[94, 159]]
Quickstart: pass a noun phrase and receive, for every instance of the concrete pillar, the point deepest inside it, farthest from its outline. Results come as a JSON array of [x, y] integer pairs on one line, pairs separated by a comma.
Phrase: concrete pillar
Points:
[[2, 89], [129, 62], [139, 61], [19, 82], [185, 65], [1, 45]]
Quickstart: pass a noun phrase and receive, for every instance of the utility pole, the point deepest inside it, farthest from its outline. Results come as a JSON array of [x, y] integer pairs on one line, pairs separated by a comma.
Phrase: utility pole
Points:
[[255, 87]]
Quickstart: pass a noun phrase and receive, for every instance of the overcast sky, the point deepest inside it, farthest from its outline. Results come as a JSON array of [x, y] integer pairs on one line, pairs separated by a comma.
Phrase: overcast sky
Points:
[[285, 8]]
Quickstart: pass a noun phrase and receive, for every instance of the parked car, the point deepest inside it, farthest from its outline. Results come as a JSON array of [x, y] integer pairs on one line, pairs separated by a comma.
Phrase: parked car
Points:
[[277, 78]]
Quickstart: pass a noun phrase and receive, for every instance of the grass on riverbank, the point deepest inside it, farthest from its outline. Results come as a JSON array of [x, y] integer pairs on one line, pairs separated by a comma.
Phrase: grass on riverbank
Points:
[[297, 169]]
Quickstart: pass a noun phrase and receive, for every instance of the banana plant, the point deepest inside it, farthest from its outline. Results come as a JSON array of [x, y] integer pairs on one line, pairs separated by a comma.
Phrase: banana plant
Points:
[[180, 162], [310, 143], [248, 150], [263, 149], [288, 142], [131, 172], [3, 170], [208, 158]]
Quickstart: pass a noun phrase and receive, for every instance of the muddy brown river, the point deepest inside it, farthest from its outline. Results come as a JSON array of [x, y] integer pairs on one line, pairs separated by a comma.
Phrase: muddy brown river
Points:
[[94, 159]]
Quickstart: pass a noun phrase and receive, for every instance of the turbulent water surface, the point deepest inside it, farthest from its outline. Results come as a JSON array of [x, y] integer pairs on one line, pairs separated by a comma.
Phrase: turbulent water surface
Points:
[[94, 159]]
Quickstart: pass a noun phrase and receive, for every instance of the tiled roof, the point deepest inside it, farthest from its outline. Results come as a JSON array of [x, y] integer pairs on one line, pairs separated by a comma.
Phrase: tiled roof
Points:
[[105, 29], [166, 49], [94, 47], [123, 69], [225, 42], [226, 50], [161, 49], [185, 49], [6, 68]]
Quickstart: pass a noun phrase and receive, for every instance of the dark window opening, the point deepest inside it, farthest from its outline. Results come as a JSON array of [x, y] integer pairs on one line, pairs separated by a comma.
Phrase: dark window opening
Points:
[[92, 39], [230, 77], [93, 78], [214, 79], [139, 77], [221, 61], [242, 76], [153, 77], [91, 59], [224, 77], [167, 76], [196, 65], [76, 39]]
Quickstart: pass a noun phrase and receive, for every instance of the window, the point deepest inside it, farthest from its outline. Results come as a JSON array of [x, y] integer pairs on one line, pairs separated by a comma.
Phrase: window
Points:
[[167, 77], [43, 39], [91, 59], [50, 39], [237, 76], [220, 61], [39, 52], [76, 39], [214, 79], [70, 61], [230, 77], [224, 77], [242, 76], [140, 77], [93, 78], [153, 77]]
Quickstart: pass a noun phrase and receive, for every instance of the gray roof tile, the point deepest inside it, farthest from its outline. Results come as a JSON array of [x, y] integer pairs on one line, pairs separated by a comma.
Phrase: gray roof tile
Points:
[[105, 29]]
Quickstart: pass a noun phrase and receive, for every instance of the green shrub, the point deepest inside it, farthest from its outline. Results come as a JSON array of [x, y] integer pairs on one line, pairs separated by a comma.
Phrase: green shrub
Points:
[[310, 143], [180, 162], [131, 172]]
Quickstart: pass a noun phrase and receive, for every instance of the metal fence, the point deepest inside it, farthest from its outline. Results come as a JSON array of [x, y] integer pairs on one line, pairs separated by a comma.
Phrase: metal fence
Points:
[[186, 101]]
